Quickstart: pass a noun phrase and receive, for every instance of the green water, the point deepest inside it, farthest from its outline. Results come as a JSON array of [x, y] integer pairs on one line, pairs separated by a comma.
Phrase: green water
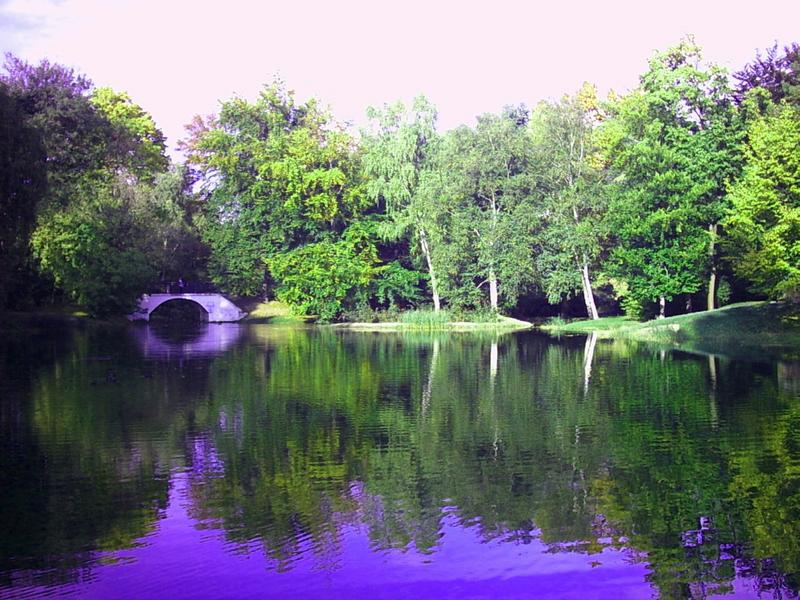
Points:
[[309, 462]]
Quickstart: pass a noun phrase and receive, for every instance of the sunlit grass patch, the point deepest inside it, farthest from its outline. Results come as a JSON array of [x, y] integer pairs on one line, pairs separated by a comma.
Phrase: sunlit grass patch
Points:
[[271, 311]]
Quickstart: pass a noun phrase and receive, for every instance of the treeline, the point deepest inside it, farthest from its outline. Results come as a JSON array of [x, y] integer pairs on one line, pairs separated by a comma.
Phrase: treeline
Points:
[[684, 191]]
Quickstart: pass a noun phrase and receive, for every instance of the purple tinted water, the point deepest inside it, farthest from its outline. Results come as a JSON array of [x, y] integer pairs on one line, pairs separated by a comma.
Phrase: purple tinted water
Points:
[[180, 560], [258, 462]]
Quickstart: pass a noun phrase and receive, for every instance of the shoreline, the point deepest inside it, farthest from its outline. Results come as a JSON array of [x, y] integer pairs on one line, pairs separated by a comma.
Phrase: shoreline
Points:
[[505, 324]]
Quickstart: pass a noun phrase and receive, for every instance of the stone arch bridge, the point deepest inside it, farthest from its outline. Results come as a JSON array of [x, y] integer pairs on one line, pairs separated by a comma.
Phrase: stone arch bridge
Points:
[[218, 308]]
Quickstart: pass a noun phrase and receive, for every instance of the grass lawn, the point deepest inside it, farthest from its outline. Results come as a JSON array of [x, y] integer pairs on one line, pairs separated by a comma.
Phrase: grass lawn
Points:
[[588, 326], [273, 312], [738, 329]]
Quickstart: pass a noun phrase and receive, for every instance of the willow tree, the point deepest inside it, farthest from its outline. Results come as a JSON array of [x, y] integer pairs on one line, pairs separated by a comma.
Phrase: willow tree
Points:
[[397, 158]]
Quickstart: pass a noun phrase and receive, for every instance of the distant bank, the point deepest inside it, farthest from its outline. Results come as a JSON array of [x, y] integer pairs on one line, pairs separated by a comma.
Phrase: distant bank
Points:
[[744, 328]]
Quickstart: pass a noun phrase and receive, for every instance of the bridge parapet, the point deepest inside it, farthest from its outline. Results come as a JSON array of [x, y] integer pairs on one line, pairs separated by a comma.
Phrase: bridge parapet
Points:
[[218, 307]]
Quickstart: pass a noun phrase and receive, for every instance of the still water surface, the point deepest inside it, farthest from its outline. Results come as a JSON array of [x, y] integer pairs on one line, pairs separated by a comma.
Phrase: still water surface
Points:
[[267, 462]]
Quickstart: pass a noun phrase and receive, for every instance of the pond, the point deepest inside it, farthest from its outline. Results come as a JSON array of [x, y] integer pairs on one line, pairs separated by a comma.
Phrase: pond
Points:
[[257, 461]]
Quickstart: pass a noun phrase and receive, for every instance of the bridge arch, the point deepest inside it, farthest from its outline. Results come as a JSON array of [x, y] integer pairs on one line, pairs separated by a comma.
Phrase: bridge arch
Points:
[[168, 303], [217, 306]]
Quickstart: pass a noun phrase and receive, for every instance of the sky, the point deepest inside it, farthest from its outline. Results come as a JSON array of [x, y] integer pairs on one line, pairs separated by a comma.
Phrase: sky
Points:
[[179, 58]]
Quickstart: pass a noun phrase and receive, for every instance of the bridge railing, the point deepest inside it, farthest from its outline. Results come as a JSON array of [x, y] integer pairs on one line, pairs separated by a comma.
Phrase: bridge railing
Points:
[[182, 287]]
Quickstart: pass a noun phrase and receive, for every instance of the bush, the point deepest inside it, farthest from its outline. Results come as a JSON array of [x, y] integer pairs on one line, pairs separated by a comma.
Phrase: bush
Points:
[[395, 285], [325, 278], [367, 314], [632, 307]]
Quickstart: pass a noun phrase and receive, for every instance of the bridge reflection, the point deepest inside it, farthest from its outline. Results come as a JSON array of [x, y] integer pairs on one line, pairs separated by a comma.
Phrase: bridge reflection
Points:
[[200, 340]]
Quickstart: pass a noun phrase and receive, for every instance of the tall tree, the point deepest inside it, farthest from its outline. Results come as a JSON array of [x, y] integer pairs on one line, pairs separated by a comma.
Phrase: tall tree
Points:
[[22, 188], [56, 103], [763, 227], [777, 73], [569, 240], [487, 179], [278, 174], [98, 146], [397, 158], [94, 249], [137, 144], [673, 144]]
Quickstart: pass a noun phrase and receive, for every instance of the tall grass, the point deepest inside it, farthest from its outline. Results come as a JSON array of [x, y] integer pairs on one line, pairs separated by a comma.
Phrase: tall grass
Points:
[[425, 319]]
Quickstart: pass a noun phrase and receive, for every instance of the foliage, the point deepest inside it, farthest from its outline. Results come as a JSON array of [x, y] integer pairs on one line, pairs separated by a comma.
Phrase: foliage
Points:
[[398, 151], [394, 285], [137, 141], [75, 136], [278, 175], [325, 278], [100, 152], [778, 74], [169, 211], [572, 232], [672, 144], [22, 187], [763, 226], [487, 186], [91, 251]]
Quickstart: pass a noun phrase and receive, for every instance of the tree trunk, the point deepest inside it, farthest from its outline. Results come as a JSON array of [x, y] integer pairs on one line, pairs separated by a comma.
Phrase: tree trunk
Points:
[[662, 307], [426, 251], [426, 391], [588, 296], [712, 279], [588, 358], [493, 290]]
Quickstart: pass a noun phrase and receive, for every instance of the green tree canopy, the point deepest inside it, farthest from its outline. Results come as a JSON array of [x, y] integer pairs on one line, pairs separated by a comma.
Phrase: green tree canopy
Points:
[[763, 226], [672, 145], [278, 174]]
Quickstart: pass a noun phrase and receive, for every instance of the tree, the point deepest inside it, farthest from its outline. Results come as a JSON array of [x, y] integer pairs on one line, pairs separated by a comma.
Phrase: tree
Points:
[[93, 250], [327, 277], [763, 227], [777, 74], [22, 187], [572, 229], [277, 175], [397, 158], [486, 183], [672, 145], [76, 137], [137, 143], [167, 211], [97, 146]]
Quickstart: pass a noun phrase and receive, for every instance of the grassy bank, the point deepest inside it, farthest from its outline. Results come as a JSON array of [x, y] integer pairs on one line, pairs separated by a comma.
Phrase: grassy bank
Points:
[[503, 323], [277, 313], [744, 328], [272, 312]]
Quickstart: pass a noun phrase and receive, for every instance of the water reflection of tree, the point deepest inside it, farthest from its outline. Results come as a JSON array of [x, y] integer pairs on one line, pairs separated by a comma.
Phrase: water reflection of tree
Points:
[[295, 436], [632, 458], [89, 467]]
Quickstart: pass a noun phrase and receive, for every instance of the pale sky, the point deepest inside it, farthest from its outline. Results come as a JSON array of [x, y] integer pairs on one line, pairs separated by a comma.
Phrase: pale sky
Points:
[[179, 58]]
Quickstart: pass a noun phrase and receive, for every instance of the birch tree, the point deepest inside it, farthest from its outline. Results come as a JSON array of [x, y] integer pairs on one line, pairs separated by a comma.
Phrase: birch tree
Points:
[[569, 241], [397, 158], [491, 204]]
